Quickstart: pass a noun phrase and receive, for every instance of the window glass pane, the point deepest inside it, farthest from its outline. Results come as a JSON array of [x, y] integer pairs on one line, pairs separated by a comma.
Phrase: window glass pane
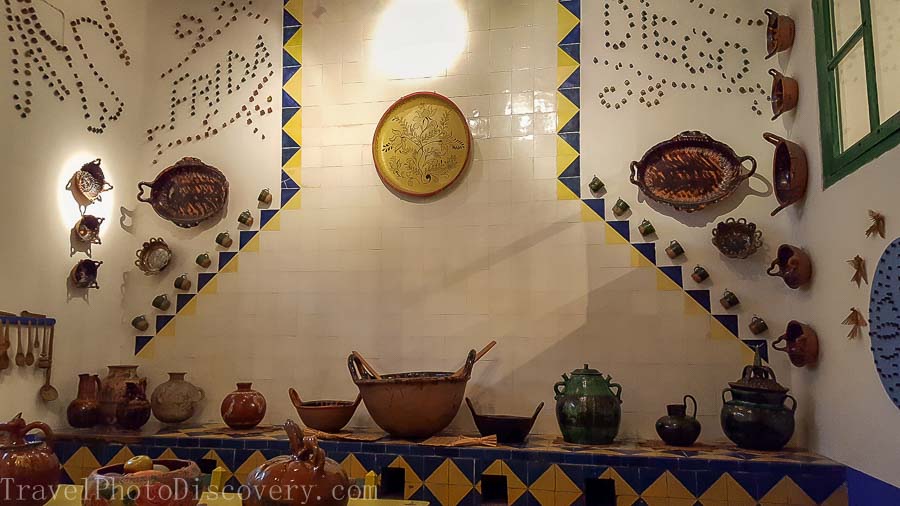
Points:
[[853, 97], [846, 20], [886, 32]]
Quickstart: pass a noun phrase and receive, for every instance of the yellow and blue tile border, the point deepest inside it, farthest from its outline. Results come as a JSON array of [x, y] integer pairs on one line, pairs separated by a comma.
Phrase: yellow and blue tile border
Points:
[[289, 199], [544, 471], [568, 186]]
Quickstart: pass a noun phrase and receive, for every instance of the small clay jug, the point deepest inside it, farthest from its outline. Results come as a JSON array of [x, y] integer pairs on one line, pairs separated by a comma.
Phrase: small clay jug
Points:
[[112, 390], [175, 400], [678, 428], [134, 411], [29, 471], [244, 408], [84, 411], [792, 265], [800, 342]]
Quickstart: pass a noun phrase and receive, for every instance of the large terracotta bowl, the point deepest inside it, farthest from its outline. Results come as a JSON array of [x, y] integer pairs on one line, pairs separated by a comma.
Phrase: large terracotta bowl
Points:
[[108, 486]]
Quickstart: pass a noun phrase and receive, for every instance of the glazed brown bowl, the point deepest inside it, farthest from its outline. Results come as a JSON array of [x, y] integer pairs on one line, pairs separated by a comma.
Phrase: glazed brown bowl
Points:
[[737, 238], [326, 415], [508, 428], [181, 485]]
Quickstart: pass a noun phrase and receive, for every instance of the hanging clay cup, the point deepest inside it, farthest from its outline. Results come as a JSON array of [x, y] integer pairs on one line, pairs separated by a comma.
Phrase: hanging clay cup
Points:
[[700, 274], [678, 428], [789, 170], [801, 343], [793, 265], [84, 411], [244, 408], [134, 411], [785, 93], [112, 390], [175, 400], [780, 32]]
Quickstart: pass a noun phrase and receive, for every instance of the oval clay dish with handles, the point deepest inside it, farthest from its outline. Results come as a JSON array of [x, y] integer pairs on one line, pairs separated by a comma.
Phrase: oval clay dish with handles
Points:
[[690, 171], [789, 170], [187, 193]]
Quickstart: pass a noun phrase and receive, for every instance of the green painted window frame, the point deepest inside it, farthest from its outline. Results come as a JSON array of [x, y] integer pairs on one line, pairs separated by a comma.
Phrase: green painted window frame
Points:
[[883, 135]]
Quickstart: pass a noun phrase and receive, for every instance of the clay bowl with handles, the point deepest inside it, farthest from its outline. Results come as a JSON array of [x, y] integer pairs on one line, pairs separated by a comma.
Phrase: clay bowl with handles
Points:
[[790, 171], [325, 415], [800, 342], [509, 429], [793, 265], [780, 32], [785, 93]]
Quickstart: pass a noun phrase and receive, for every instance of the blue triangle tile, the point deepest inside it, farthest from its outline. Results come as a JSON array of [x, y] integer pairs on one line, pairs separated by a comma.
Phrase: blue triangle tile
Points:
[[572, 183], [573, 139], [288, 61], [574, 125], [573, 170], [648, 249], [573, 94], [289, 32], [730, 321], [647, 476], [573, 81], [287, 100], [622, 228], [535, 469], [287, 181], [65, 479], [762, 344], [225, 257], [573, 6], [573, 50], [820, 486], [290, 20], [203, 278], [265, 215], [65, 449], [630, 475], [287, 152], [598, 206], [674, 273], [639, 502], [182, 300], [288, 142], [686, 478], [288, 72], [705, 480], [287, 113], [246, 236], [140, 342], [573, 37], [162, 320], [423, 494], [701, 296], [287, 194], [764, 483]]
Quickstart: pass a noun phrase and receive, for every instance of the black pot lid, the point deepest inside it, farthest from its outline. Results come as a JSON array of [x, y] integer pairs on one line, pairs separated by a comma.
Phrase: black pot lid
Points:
[[586, 371], [758, 377]]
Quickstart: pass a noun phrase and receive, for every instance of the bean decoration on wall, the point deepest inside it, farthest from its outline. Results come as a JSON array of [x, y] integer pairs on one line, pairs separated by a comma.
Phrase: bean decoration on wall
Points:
[[192, 93], [63, 67], [884, 313], [692, 51]]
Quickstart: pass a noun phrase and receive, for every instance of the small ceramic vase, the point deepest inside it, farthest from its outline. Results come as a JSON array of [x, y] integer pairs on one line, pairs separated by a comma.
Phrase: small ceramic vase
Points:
[[678, 428], [140, 322], [595, 185], [183, 283], [621, 207], [203, 260], [84, 411], [244, 408], [674, 250], [700, 274], [265, 196], [729, 300], [134, 411], [224, 239], [175, 400], [246, 218]]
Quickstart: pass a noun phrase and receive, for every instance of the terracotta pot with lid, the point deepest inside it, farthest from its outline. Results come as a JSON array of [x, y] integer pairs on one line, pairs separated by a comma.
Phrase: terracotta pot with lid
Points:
[[30, 470], [793, 265], [789, 170]]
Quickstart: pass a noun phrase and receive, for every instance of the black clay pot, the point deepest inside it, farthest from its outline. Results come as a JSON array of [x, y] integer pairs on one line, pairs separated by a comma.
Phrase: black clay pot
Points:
[[678, 428], [758, 426]]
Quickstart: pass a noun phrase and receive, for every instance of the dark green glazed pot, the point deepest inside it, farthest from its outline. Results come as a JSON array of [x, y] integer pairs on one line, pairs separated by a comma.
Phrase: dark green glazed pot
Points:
[[678, 428], [587, 408]]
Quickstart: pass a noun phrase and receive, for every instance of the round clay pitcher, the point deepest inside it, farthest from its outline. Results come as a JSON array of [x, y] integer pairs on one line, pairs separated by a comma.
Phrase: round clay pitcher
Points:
[[244, 408], [112, 390], [800, 342], [29, 470], [84, 411], [175, 400]]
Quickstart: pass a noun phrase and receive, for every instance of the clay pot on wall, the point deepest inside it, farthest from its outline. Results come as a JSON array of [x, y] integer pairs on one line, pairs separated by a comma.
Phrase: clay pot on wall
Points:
[[801, 343], [785, 93], [175, 400], [112, 390], [30, 470], [780, 31], [84, 411], [244, 408], [789, 170], [134, 411], [792, 265]]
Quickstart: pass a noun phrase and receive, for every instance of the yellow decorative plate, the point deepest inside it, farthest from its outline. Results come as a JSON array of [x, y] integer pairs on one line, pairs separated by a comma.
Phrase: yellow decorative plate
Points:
[[422, 144]]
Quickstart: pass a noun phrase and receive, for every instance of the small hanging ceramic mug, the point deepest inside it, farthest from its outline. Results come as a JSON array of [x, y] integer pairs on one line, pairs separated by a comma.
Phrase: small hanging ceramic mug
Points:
[[729, 300], [596, 184], [674, 250], [246, 218], [758, 325], [265, 196], [183, 283], [621, 207], [700, 274], [646, 228], [224, 239], [203, 260], [161, 302], [140, 322]]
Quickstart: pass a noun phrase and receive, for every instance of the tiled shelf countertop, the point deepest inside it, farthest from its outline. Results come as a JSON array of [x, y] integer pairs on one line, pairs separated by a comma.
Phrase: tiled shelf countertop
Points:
[[545, 470]]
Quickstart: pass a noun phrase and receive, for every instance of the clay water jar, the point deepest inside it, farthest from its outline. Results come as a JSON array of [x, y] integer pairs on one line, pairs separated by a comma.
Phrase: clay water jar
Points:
[[588, 407], [84, 411], [678, 428], [780, 31], [178, 487], [244, 408], [112, 390], [327, 415], [789, 170], [793, 265], [800, 342], [509, 429], [175, 400], [30, 470], [785, 93], [134, 411]]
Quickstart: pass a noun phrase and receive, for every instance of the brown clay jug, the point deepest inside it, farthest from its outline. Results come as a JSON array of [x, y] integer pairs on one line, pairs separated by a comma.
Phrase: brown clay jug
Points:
[[84, 411], [244, 408], [291, 477], [800, 342], [134, 411], [30, 470], [112, 390], [793, 265]]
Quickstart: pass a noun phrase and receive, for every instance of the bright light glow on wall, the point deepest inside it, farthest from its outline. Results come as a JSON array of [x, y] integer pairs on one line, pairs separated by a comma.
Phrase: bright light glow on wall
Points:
[[419, 38], [68, 209]]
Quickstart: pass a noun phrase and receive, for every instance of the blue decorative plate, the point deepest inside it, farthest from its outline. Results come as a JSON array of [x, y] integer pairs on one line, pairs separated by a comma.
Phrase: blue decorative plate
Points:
[[884, 320]]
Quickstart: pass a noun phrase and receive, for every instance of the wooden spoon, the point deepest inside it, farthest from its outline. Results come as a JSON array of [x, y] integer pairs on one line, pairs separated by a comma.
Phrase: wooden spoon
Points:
[[366, 365], [29, 356], [44, 361], [4, 345], [20, 357], [478, 356], [48, 393]]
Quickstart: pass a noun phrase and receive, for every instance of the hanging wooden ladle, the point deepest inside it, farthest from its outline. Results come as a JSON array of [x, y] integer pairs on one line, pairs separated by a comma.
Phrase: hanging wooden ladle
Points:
[[48, 392], [478, 356]]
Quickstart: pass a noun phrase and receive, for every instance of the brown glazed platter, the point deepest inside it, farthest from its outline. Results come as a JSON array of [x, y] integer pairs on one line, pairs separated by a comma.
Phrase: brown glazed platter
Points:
[[187, 193], [737, 238], [789, 170], [690, 171]]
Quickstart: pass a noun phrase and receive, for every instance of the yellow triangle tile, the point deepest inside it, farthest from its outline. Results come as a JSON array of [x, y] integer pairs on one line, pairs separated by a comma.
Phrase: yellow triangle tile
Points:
[[294, 127], [565, 498], [168, 454], [295, 8], [458, 493], [293, 164], [494, 469], [655, 501], [411, 475], [737, 496], [613, 236], [294, 45], [546, 481], [625, 500], [779, 493], [691, 306], [658, 488], [717, 492], [676, 490], [253, 461], [682, 502], [457, 477], [293, 203], [665, 283], [639, 260], [543, 497], [168, 330], [588, 214], [564, 483], [252, 245], [512, 479], [513, 494], [838, 498], [121, 457], [212, 455], [565, 155], [353, 467], [564, 193], [565, 22], [274, 224], [440, 491], [211, 287], [622, 486], [717, 331], [565, 66], [565, 110], [796, 495], [714, 503], [190, 308], [148, 351], [294, 86], [441, 474], [231, 266]]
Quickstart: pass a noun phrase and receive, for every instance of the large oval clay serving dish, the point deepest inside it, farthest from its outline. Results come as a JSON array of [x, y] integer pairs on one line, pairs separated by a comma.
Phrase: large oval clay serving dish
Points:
[[187, 193], [422, 144], [690, 171]]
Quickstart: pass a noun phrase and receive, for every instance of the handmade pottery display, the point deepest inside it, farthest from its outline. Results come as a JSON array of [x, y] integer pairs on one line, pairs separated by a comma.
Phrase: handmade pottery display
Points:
[[587, 408], [757, 325], [265, 196], [596, 184], [283, 479], [84, 411], [172, 483], [646, 228], [112, 390], [246, 218], [154, 256], [793, 265], [737, 238], [780, 32], [755, 417], [789, 171], [244, 408], [187, 193], [690, 171], [411, 405], [509, 429], [327, 415], [29, 471], [785, 93], [88, 229], [674, 250], [88, 183], [422, 144], [700, 274], [175, 400], [84, 274], [678, 428], [621, 207], [729, 300], [134, 410], [800, 342]]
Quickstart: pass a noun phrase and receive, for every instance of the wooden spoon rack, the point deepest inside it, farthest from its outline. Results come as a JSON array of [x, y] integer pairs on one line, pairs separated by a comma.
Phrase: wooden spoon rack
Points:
[[33, 346]]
